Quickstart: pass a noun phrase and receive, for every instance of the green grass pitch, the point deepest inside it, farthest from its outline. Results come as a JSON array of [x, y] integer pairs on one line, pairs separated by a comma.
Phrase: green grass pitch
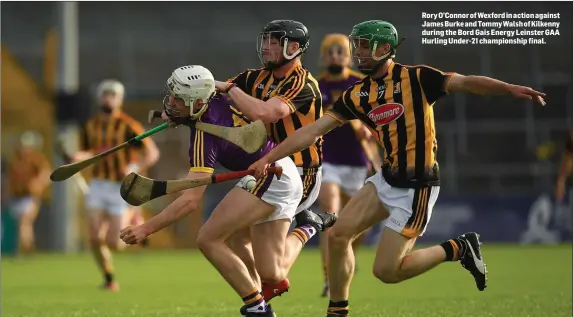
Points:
[[524, 281]]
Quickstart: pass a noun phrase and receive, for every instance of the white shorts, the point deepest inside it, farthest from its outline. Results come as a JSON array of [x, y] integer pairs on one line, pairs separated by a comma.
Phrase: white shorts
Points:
[[284, 193], [105, 196], [410, 209], [19, 206], [311, 184], [349, 178]]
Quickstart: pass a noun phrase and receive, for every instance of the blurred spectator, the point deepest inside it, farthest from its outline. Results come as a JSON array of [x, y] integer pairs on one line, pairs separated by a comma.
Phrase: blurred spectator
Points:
[[28, 174], [565, 168]]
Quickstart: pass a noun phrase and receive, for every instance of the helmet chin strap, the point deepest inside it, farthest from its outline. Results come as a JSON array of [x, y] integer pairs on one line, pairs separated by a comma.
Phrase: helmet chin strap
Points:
[[288, 57], [380, 60], [198, 114], [187, 121]]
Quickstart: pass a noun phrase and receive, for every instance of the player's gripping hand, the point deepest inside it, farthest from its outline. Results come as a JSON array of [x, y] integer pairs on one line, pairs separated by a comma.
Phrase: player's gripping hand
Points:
[[165, 118], [523, 92], [260, 168], [221, 86], [133, 234]]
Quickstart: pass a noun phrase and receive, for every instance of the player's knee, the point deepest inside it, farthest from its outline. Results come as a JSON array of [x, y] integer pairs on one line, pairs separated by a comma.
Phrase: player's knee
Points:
[[338, 237], [112, 243], [95, 241], [386, 274], [205, 242]]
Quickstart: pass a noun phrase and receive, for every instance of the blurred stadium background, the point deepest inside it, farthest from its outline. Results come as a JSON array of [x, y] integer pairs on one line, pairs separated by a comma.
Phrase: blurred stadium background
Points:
[[499, 156]]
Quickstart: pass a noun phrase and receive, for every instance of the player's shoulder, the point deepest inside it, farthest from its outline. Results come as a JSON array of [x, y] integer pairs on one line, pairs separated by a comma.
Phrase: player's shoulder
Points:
[[253, 71], [93, 119], [419, 67], [356, 75], [218, 112], [359, 82], [246, 73], [130, 121], [299, 71], [127, 118], [354, 88], [305, 76]]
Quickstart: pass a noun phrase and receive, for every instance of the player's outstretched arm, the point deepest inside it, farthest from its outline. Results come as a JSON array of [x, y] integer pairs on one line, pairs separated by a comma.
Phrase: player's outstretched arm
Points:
[[483, 85], [296, 142], [185, 204], [253, 108]]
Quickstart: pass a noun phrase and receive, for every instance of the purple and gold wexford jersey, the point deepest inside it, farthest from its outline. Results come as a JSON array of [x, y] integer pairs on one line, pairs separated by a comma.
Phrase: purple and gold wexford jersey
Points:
[[206, 150], [340, 146]]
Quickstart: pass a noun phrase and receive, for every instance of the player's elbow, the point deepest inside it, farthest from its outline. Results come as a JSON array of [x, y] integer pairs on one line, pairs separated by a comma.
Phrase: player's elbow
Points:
[[478, 85], [273, 116], [273, 110]]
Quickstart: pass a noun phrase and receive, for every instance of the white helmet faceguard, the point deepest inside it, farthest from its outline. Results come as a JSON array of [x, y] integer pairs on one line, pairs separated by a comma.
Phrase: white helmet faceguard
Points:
[[190, 83]]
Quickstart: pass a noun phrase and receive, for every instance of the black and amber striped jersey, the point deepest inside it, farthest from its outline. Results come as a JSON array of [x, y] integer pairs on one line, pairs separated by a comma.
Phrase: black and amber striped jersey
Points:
[[24, 167], [300, 91], [398, 110], [103, 132]]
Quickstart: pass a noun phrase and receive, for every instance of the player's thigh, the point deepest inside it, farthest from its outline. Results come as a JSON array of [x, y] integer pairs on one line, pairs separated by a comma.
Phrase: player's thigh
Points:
[[344, 199], [271, 199], [96, 221], [329, 197], [410, 212], [392, 248], [269, 242], [116, 223], [362, 211], [239, 209]]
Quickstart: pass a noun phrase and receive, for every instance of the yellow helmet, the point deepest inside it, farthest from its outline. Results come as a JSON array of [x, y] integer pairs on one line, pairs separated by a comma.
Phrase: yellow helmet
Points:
[[335, 39]]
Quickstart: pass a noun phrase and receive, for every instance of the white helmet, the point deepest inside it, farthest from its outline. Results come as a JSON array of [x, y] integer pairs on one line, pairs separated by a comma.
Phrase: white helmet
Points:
[[31, 139], [192, 83], [110, 85]]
